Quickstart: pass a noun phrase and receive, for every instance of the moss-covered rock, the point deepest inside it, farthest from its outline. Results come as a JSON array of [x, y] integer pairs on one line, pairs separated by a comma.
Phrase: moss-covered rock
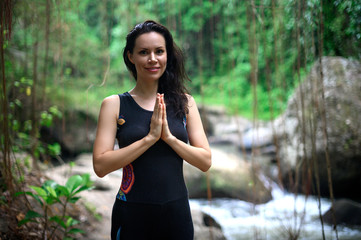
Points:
[[325, 109]]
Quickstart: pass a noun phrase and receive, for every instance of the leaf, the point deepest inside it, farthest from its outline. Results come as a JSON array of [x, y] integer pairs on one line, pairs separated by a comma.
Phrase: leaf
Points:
[[50, 200], [30, 217], [73, 183], [36, 197], [62, 191], [32, 214], [75, 230], [50, 183], [58, 220], [87, 184], [28, 91], [22, 222], [85, 178], [84, 188], [51, 191], [19, 193], [41, 192], [74, 199], [54, 149], [71, 222]]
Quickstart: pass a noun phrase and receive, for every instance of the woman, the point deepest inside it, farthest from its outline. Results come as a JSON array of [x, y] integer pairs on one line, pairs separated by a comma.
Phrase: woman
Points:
[[153, 123]]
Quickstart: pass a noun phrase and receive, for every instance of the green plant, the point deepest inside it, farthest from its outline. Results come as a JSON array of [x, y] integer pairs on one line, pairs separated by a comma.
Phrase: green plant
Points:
[[51, 193]]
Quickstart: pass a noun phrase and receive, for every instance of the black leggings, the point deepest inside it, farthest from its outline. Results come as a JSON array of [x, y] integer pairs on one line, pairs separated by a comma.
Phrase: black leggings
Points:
[[171, 221]]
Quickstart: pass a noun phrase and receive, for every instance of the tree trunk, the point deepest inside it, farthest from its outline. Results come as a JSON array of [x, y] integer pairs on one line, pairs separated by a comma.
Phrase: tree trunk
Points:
[[5, 32]]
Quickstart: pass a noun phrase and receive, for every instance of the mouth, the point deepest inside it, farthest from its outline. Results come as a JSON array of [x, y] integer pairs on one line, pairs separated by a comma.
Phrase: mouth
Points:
[[153, 69]]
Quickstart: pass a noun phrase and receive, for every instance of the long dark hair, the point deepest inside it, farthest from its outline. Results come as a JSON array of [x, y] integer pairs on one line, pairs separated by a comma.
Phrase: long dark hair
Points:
[[172, 82]]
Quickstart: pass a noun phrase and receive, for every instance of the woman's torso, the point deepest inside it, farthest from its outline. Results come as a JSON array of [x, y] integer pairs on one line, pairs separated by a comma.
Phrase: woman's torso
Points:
[[157, 175]]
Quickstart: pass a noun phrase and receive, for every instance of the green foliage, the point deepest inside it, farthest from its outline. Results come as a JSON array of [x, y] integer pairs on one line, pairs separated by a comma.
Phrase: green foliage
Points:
[[54, 149], [86, 41], [343, 28], [52, 193], [46, 117], [23, 141]]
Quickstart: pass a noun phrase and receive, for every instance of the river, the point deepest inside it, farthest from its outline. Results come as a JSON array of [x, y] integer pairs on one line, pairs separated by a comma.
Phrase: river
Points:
[[284, 217], [280, 218]]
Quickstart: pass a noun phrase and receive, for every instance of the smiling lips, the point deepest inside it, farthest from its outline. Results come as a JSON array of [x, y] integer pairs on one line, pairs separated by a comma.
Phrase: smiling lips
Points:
[[153, 69]]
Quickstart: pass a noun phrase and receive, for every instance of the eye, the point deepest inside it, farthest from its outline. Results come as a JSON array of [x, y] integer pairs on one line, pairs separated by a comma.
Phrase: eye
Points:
[[160, 51], [143, 52]]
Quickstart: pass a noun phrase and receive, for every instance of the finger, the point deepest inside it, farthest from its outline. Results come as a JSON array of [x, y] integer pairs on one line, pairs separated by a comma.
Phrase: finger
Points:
[[156, 103], [160, 107], [161, 103], [161, 112], [156, 107], [164, 112]]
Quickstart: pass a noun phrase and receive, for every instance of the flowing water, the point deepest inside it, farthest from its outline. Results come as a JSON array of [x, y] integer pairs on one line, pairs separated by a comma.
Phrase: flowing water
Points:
[[285, 217], [281, 218]]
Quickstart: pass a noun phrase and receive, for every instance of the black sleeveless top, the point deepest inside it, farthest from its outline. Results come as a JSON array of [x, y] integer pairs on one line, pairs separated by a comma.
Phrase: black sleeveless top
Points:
[[157, 175]]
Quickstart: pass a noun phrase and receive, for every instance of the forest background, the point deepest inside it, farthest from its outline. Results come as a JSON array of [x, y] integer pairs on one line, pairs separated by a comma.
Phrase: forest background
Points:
[[239, 53], [248, 56]]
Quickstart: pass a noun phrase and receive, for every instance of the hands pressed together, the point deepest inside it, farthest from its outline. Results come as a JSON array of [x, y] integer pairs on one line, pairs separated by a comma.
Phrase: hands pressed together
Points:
[[159, 125], [106, 159]]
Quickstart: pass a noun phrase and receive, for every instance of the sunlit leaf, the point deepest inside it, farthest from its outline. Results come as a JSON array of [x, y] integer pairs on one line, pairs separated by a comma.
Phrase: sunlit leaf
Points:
[[73, 182]]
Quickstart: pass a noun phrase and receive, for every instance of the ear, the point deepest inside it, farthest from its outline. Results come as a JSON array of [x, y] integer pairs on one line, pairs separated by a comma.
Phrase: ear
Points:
[[130, 57]]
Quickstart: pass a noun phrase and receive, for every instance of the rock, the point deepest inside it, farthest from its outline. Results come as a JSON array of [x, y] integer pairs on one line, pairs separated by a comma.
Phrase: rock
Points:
[[222, 128], [260, 138], [76, 137], [346, 212], [229, 177], [205, 227], [237, 130], [301, 135]]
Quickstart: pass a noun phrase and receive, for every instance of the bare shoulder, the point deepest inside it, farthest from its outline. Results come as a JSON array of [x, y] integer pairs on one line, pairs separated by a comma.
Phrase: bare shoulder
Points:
[[110, 105], [191, 101], [110, 102], [189, 96], [111, 99]]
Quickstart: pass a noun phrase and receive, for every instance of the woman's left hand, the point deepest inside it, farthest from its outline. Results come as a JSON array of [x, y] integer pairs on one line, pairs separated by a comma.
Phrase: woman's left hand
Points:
[[166, 134], [197, 152]]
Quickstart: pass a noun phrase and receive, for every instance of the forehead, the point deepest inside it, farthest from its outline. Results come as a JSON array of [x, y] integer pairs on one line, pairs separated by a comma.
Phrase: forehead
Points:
[[150, 40]]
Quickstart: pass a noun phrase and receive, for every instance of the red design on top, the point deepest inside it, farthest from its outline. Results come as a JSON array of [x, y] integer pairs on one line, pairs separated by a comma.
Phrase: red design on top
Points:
[[128, 178]]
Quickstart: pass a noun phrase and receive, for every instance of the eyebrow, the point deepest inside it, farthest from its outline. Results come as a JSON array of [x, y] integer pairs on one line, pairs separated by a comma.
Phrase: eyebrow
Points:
[[144, 48]]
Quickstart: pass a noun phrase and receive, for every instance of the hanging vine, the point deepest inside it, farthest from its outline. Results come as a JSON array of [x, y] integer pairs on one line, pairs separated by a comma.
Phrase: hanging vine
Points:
[[324, 119]]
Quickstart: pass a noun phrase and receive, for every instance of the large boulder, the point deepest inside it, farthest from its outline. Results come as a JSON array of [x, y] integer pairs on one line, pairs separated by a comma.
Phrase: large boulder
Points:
[[325, 113], [345, 212], [229, 177]]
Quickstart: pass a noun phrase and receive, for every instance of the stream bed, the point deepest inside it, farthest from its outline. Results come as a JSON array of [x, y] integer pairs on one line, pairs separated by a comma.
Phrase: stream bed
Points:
[[282, 218]]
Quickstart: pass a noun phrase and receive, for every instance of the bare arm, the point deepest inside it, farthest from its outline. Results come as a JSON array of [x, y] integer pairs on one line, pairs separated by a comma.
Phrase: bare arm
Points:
[[105, 158], [198, 153]]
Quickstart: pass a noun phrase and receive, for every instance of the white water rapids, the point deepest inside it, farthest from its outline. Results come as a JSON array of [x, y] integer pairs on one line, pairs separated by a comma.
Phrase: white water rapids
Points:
[[280, 218]]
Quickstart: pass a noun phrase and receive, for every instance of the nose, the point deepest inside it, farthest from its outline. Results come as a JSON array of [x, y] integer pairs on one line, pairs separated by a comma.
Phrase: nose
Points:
[[152, 58]]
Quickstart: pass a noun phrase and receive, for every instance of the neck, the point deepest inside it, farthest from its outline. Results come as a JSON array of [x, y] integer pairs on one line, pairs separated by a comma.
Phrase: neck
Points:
[[145, 89]]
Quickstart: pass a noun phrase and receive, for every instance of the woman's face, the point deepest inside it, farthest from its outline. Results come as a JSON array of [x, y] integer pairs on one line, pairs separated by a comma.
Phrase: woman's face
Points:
[[149, 56]]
